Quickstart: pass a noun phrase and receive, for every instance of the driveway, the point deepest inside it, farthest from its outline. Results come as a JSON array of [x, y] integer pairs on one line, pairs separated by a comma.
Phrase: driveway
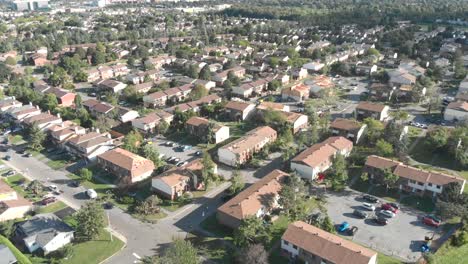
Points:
[[401, 238]]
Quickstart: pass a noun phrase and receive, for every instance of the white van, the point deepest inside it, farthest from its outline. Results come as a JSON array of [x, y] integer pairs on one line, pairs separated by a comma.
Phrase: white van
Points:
[[91, 194]]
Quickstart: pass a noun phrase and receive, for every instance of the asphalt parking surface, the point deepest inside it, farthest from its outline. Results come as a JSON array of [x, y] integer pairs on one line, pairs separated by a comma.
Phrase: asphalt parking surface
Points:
[[168, 151], [401, 238]]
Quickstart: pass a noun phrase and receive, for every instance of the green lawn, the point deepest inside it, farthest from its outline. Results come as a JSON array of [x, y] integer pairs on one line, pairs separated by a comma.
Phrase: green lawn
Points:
[[424, 204], [57, 164], [16, 139], [174, 205], [213, 249], [451, 255], [211, 224], [100, 188], [362, 186], [391, 195], [276, 258], [277, 230], [95, 251], [52, 208], [153, 218], [16, 182], [384, 259]]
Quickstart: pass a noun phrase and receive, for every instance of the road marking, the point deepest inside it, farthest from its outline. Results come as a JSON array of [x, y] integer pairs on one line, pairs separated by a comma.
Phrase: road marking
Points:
[[136, 255]]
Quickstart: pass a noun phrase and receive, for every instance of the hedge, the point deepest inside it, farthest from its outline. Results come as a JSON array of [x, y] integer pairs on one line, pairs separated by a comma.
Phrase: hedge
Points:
[[22, 259]]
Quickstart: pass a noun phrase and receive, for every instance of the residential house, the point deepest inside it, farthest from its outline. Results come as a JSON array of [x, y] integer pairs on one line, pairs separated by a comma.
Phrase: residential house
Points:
[[12, 205], [296, 121], [401, 77], [150, 122], [267, 106], [320, 85], [93, 75], [90, 145], [143, 87], [59, 134], [313, 245], [348, 128], [299, 74], [239, 151], [373, 110], [126, 114], [319, 157], [125, 165], [9, 103], [239, 111], [155, 99], [119, 69], [411, 179], [456, 111], [97, 108], [249, 89], [64, 97], [381, 91], [195, 105], [173, 183], [105, 72], [110, 86], [42, 120], [20, 113], [209, 132], [44, 232], [221, 77], [257, 200], [297, 93]]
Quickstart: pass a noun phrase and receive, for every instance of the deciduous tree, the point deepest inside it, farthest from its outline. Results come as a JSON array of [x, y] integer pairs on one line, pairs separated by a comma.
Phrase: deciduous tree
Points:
[[91, 220]]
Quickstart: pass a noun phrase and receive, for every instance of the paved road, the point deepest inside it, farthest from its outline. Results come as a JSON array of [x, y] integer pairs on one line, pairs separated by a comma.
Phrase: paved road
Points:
[[142, 238]]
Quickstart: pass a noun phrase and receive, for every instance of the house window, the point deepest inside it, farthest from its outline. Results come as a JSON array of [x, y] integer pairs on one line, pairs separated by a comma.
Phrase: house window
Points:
[[438, 186], [430, 184], [420, 184], [294, 246], [285, 242]]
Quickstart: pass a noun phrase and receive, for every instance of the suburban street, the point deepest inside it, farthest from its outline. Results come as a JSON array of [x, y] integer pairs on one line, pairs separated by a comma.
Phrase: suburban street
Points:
[[141, 238]]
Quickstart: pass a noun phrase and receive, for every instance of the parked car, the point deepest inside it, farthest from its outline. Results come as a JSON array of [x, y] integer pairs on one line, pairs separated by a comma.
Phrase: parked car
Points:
[[28, 155], [48, 200], [108, 205], [53, 188], [168, 143], [75, 184], [10, 173], [360, 214], [431, 221], [380, 220], [198, 153], [7, 158], [343, 227], [171, 159], [91, 193], [352, 231], [181, 163], [370, 198], [395, 205], [390, 208], [175, 161], [387, 213], [368, 206]]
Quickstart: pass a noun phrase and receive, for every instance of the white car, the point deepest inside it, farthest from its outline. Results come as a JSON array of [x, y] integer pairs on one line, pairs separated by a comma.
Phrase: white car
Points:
[[53, 188], [368, 206], [387, 213], [91, 194]]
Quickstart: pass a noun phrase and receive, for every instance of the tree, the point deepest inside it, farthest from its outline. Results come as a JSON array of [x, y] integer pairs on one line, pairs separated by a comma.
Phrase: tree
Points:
[[400, 115], [86, 174], [237, 183], [438, 137], [328, 225], [292, 197], [5, 72], [198, 92], [10, 61], [205, 73], [252, 230], [59, 77], [7, 228], [364, 176], [338, 173], [162, 127], [90, 220], [374, 129], [150, 152], [81, 76], [49, 102], [180, 251], [384, 148], [35, 187], [36, 138], [78, 101], [389, 178], [253, 254], [132, 141], [149, 206], [208, 170]]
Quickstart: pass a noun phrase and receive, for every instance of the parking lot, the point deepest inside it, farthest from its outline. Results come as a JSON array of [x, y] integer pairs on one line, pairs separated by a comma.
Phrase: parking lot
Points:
[[173, 151], [401, 238]]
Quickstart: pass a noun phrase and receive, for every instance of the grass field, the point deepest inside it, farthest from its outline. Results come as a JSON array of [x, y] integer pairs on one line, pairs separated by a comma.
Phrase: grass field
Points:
[[95, 251], [451, 255], [52, 208]]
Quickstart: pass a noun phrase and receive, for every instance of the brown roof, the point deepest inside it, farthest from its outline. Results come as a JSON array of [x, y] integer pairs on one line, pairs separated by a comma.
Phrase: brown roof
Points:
[[250, 139], [270, 105], [249, 201], [90, 103], [5, 188], [411, 173], [239, 106], [372, 107], [102, 107], [134, 163], [346, 124], [18, 202], [173, 179], [326, 245], [197, 121], [460, 106], [323, 152]]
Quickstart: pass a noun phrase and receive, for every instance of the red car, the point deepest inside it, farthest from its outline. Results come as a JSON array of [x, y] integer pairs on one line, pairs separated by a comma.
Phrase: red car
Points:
[[48, 200], [430, 221], [390, 208]]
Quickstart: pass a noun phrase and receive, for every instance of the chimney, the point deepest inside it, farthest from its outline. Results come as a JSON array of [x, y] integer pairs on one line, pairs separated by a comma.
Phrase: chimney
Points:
[[76, 129], [58, 115], [97, 130]]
